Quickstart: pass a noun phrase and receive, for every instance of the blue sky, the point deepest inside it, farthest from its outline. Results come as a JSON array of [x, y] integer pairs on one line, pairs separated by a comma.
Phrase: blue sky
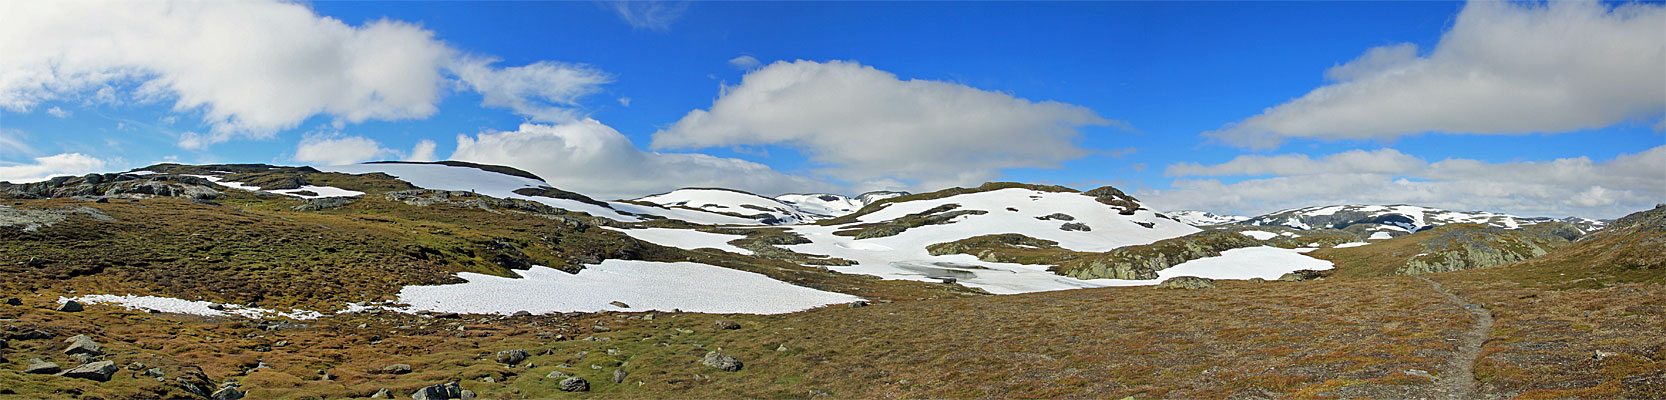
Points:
[[1174, 102]]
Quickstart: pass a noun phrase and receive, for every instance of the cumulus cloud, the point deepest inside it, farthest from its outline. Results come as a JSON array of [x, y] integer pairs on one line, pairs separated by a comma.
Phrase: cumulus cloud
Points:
[[544, 91], [745, 62], [49, 166], [337, 150], [1503, 68], [1569, 186], [649, 14], [864, 124], [424, 151], [588, 157], [59, 112], [252, 68]]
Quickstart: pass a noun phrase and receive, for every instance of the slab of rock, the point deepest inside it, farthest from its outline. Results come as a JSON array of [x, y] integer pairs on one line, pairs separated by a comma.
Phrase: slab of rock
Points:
[[1301, 275], [39, 366], [71, 306], [81, 344], [1075, 226], [33, 334], [619, 375], [858, 304], [227, 393], [721, 361], [98, 371], [397, 369], [574, 384], [1188, 282], [619, 304], [512, 357], [13, 301]]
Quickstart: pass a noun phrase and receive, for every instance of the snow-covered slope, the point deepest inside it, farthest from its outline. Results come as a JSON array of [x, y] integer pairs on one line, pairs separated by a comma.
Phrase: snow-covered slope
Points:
[[827, 205], [731, 203], [1396, 219], [490, 183], [1204, 218], [1013, 210]]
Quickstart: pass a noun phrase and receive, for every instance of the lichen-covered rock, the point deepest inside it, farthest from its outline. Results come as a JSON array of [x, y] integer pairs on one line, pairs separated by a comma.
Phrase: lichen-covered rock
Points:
[[1075, 226], [1187, 282], [512, 357], [397, 369], [725, 324], [1460, 247], [81, 344], [1143, 261], [444, 391], [721, 361], [574, 384], [39, 366]]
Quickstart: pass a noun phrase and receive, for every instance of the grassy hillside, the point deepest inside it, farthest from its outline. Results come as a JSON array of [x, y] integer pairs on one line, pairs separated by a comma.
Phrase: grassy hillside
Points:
[[1580, 321]]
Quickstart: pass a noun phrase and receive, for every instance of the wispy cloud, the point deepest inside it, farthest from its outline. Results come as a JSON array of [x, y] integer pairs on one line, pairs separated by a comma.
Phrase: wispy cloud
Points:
[[745, 62], [649, 14]]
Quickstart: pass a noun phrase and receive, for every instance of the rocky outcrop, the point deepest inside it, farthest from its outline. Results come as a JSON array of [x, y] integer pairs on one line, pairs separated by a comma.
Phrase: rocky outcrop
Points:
[[574, 384], [1302, 275], [1142, 262], [81, 344], [118, 185], [1125, 204], [324, 203], [942, 214], [1004, 247], [512, 357], [32, 220], [1461, 247], [1187, 282]]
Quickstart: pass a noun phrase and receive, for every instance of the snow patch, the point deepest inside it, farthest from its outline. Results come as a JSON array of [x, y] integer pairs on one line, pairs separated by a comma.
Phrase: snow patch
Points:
[[643, 285], [1350, 244], [182, 306], [1259, 235], [1380, 236], [685, 239]]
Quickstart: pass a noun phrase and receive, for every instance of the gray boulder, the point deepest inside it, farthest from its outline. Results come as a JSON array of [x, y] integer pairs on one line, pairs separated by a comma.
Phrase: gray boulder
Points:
[[448, 390], [39, 366], [1188, 282], [512, 357], [228, 392], [721, 361], [619, 375], [13, 301], [725, 324], [397, 369], [382, 394], [98, 371], [81, 344], [71, 306], [574, 384], [1075, 226]]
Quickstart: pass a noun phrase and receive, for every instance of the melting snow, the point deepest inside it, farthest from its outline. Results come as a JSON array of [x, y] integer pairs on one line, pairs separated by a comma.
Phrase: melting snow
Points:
[[686, 239], [1259, 235], [322, 191], [643, 285], [446, 177], [1380, 236], [1351, 244], [182, 306]]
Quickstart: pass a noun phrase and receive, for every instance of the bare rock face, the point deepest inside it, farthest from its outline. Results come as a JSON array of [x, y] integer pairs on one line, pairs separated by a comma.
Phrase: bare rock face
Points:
[[39, 366], [721, 361]]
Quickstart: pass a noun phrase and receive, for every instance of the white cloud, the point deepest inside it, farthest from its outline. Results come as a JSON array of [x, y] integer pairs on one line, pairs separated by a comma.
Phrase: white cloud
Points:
[[625, 101], [591, 158], [864, 124], [59, 112], [322, 149], [649, 14], [1503, 68], [252, 68], [745, 62], [1354, 161], [544, 91], [423, 151], [1561, 187], [47, 167]]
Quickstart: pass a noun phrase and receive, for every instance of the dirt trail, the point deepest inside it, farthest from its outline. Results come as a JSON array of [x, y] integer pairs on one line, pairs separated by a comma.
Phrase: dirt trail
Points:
[[1457, 380]]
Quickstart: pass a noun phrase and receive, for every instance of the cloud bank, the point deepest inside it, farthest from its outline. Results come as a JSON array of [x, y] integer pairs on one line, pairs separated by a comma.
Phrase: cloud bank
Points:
[[867, 126], [49, 166], [1577, 186], [1503, 68], [252, 68], [591, 158]]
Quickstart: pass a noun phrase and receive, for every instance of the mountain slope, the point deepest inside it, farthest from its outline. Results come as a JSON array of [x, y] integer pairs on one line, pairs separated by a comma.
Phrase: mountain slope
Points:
[[1396, 220], [1204, 218], [732, 203], [826, 205]]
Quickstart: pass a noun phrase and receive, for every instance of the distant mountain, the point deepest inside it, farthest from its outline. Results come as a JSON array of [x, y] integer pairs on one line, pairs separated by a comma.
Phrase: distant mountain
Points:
[[1400, 219], [829, 205], [1204, 218]]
